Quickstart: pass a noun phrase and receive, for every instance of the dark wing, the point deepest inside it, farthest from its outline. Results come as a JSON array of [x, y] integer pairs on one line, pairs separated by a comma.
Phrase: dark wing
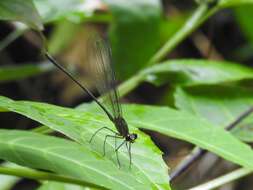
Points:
[[101, 71]]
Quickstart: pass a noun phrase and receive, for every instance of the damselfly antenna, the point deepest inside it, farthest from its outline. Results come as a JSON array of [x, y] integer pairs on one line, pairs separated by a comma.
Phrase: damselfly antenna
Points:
[[100, 67]]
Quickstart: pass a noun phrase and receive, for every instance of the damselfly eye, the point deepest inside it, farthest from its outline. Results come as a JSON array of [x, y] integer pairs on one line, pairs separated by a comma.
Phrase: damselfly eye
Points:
[[133, 137]]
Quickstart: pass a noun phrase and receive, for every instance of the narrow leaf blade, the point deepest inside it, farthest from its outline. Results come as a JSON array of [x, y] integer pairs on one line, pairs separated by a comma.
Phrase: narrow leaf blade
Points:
[[80, 125], [66, 158]]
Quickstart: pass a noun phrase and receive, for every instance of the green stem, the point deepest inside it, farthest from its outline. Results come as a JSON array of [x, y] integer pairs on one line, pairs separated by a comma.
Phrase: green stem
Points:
[[239, 173], [12, 37], [39, 175], [191, 24], [201, 14], [130, 84]]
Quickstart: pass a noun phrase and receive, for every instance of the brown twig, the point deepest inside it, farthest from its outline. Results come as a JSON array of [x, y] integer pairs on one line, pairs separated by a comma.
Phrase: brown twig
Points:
[[197, 152]]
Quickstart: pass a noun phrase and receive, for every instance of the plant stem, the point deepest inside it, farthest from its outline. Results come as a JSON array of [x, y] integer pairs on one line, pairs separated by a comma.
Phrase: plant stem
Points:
[[131, 84], [197, 152], [18, 31], [191, 24], [195, 155], [224, 179], [39, 175], [199, 16]]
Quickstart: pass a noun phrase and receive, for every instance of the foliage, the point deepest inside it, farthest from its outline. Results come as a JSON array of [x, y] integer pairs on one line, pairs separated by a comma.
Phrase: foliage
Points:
[[18, 10], [208, 95]]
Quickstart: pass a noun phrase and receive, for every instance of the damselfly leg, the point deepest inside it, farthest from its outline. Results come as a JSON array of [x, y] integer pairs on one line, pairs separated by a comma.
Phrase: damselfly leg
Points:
[[117, 149], [115, 136], [103, 128], [110, 136], [129, 153]]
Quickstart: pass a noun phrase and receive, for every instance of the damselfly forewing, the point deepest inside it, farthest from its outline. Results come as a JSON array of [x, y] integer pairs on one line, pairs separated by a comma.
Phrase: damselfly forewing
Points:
[[100, 66]]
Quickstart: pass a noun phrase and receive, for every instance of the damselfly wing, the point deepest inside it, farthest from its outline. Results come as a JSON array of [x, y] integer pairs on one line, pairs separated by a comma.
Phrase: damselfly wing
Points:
[[101, 68], [99, 64]]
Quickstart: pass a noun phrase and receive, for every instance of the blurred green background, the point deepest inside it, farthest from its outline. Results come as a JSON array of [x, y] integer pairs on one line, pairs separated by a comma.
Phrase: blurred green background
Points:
[[136, 30]]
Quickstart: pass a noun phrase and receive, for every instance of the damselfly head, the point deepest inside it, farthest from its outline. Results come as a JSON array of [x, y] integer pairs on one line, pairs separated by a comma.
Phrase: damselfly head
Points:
[[131, 137]]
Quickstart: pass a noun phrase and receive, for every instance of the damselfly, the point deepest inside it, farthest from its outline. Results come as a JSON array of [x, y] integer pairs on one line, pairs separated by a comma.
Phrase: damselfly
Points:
[[100, 66]]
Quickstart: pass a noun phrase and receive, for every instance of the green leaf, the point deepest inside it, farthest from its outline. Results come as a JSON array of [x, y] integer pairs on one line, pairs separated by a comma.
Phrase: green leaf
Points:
[[66, 158], [229, 3], [220, 105], [80, 124], [194, 71], [11, 73], [49, 185], [74, 10], [134, 33], [242, 15], [190, 128], [19, 10]]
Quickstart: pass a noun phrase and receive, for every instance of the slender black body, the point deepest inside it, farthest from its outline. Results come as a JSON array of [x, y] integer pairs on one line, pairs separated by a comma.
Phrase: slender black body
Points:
[[100, 67]]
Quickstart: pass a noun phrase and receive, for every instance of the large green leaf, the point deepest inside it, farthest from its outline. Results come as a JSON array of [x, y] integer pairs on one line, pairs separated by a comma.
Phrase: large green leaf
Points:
[[220, 105], [11, 73], [134, 33], [193, 129], [243, 15], [69, 158], [194, 71], [49, 185], [80, 124], [229, 3], [75, 10], [19, 10]]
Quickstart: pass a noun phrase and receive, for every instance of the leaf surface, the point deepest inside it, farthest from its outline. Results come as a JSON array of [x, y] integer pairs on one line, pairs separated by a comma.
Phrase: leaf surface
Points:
[[12, 73], [75, 10], [229, 3], [49, 185], [66, 158], [23, 11], [134, 33], [197, 71], [79, 124], [220, 105]]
